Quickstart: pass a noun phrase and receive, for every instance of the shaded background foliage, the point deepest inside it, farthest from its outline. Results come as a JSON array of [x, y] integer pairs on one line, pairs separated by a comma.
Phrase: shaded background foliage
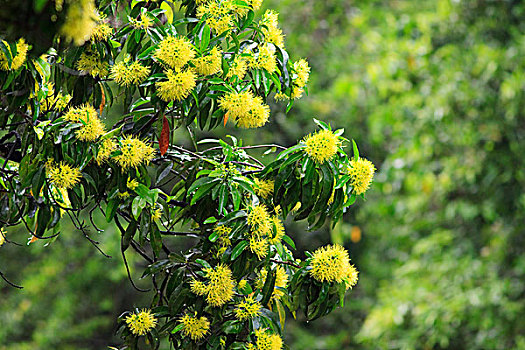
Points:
[[433, 92]]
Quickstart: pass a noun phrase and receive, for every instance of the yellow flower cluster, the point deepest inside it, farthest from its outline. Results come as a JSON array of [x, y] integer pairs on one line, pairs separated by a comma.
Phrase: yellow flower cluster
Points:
[[132, 184], [18, 60], [331, 263], [299, 80], [219, 289], [281, 281], [81, 20], [238, 67], [266, 341], [247, 309], [143, 23], [259, 220], [175, 52], [156, 213], [248, 110], [218, 14], [361, 172], [126, 74], [50, 101], [259, 246], [278, 231], [270, 28], [91, 63], [223, 233], [322, 145], [2, 236], [265, 59], [209, 64], [62, 175], [263, 188], [104, 150], [134, 152], [195, 327], [92, 127], [101, 32], [142, 322], [178, 86]]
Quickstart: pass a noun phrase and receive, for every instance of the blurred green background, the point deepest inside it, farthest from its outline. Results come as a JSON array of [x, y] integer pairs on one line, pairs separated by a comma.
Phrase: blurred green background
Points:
[[434, 94]]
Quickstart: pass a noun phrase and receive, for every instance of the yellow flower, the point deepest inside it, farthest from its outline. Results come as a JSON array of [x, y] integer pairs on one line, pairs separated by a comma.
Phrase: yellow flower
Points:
[[266, 59], [142, 322], [247, 309], [331, 263], [209, 64], [242, 284], [50, 101], [123, 195], [238, 67], [362, 172], [259, 246], [132, 184], [302, 69], [104, 151], [255, 4], [221, 284], [177, 87], [281, 281], [267, 341], [263, 188], [278, 230], [218, 15], [194, 327], [175, 52], [2, 236], [81, 20], [223, 233], [237, 104], [198, 287], [90, 62], [156, 213], [322, 145], [144, 23], [101, 32], [126, 74], [62, 175], [259, 220], [91, 127], [270, 28], [18, 60], [134, 152], [257, 115]]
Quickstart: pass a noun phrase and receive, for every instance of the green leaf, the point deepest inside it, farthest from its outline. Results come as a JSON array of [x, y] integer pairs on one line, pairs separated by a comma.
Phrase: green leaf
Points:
[[128, 235], [269, 286], [205, 37], [155, 239], [111, 209], [239, 248], [356, 150]]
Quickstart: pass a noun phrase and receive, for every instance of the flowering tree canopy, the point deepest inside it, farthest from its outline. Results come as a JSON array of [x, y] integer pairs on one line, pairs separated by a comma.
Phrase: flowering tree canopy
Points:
[[172, 65]]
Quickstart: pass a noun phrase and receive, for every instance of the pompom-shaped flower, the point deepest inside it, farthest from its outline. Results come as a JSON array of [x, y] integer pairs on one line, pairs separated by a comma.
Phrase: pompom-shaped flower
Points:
[[221, 284], [322, 145], [198, 287], [195, 327], [104, 151], [126, 74], [223, 235], [361, 172], [267, 341], [257, 115], [175, 52], [263, 188], [177, 87], [91, 63], [209, 64], [237, 104], [18, 60], [281, 281], [266, 59], [63, 175], [143, 23], [238, 67], [81, 20], [247, 309], [270, 28], [218, 15], [259, 220], [350, 276], [331, 263], [101, 32], [259, 246], [134, 152], [91, 127], [142, 322], [302, 69]]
